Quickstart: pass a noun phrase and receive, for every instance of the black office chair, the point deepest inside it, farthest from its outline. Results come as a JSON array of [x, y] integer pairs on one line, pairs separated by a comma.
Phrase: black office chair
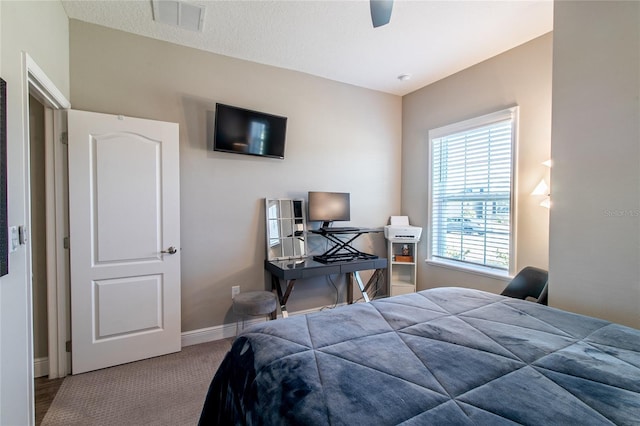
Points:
[[529, 282]]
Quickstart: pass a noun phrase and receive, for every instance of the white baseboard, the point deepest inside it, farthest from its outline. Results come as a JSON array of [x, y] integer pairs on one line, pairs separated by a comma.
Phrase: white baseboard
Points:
[[210, 334], [224, 331], [41, 367], [188, 338]]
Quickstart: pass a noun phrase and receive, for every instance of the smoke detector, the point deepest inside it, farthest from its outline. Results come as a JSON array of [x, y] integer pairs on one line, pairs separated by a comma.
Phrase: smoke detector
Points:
[[187, 16]]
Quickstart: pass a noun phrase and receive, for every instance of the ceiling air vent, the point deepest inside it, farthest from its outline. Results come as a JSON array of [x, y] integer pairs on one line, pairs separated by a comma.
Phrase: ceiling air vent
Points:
[[180, 14]]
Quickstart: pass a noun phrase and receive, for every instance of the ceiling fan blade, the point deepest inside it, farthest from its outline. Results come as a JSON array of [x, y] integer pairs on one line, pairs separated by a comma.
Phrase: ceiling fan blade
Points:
[[380, 12]]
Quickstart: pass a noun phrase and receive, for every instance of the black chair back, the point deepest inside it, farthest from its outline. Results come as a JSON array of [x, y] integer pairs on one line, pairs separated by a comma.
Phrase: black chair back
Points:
[[529, 282]]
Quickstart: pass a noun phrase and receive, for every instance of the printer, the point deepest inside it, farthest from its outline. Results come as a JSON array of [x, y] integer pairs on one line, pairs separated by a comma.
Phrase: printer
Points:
[[400, 230]]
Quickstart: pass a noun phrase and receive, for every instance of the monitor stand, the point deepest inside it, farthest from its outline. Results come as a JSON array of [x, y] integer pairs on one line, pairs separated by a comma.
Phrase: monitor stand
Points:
[[326, 227], [342, 250]]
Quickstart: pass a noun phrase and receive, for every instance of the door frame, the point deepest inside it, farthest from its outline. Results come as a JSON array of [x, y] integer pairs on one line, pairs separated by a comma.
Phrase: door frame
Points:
[[57, 229], [36, 83]]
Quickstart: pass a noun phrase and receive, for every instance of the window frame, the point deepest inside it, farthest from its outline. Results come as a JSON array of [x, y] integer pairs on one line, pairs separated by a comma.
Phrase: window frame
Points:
[[459, 127]]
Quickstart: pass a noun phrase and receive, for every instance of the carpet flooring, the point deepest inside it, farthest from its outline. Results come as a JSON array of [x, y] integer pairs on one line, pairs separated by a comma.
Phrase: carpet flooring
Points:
[[166, 390]]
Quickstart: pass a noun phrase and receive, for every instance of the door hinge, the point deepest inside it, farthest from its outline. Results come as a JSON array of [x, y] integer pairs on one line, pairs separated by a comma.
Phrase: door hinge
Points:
[[65, 243], [64, 138], [68, 346]]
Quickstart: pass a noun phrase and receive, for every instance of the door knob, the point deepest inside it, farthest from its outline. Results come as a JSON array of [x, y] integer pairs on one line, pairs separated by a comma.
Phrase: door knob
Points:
[[170, 250]]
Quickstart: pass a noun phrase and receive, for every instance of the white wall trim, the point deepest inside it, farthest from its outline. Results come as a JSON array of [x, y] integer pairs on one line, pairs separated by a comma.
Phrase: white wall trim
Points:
[[36, 83], [57, 255], [39, 85], [512, 113], [40, 367], [471, 269], [42, 87], [224, 331], [211, 334]]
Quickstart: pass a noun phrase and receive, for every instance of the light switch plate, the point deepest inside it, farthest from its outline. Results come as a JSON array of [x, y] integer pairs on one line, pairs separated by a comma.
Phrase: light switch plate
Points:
[[14, 239]]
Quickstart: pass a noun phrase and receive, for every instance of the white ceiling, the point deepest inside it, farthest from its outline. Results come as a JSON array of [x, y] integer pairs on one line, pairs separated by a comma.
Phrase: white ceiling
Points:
[[336, 40]]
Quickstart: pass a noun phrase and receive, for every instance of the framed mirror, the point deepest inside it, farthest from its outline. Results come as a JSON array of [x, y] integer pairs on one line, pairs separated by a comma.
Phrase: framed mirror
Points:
[[286, 229]]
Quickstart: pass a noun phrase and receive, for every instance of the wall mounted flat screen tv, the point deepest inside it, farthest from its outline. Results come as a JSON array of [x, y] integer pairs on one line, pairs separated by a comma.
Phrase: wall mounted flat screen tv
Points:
[[243, 131]]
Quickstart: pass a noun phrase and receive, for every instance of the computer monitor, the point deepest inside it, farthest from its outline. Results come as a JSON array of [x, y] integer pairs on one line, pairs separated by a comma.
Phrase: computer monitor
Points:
[[328, 207]]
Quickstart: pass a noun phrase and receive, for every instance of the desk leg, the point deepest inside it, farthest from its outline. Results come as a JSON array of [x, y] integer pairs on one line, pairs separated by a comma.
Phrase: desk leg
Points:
[[364, 289], [375, 278], [275, 284], [350, 288], [361, 286]]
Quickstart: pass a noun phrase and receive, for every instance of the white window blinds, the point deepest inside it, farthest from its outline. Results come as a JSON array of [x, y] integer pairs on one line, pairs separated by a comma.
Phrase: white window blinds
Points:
[[471, 190]]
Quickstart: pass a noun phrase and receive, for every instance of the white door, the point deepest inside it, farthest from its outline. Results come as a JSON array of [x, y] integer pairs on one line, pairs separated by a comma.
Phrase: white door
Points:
[[124, 223]]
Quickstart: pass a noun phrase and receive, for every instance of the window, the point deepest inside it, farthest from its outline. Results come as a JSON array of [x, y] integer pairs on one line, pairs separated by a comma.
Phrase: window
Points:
[[471, 192]]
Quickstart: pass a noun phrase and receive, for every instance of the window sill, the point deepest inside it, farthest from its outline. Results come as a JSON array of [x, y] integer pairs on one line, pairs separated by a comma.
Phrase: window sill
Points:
[[471, 269]]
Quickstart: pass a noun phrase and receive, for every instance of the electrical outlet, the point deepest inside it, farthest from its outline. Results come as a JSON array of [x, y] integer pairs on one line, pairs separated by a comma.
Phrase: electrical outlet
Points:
[[235, 290]]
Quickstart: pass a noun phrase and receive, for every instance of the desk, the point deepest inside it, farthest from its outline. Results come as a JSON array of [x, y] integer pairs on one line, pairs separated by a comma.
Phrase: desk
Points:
[[291, 270]]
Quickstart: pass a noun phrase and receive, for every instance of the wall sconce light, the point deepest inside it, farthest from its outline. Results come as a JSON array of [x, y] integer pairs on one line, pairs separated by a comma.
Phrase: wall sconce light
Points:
[[546, 202], [543, 189]]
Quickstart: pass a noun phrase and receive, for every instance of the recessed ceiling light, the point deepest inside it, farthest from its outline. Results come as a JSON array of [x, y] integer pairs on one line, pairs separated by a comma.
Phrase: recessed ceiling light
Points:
[[404, 77]]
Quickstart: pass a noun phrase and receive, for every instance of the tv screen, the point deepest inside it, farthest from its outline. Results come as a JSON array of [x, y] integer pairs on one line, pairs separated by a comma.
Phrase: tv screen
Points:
[[329, 206], [243, 131]]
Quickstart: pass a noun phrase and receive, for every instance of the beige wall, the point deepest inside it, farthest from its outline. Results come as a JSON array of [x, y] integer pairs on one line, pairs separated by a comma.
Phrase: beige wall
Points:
[[40, 29], [521, 76], [595, 219], [339, 138]]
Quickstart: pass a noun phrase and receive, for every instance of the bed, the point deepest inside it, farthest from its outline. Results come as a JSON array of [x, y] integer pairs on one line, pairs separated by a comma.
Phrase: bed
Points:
[[445, 356]]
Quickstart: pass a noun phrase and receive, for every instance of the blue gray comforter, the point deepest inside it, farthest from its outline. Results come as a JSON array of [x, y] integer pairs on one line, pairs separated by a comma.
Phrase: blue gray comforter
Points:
[[446, 356]]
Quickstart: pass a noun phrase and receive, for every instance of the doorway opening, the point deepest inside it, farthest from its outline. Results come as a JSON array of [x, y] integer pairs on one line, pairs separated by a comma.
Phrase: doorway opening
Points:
[[38, 238], [47, 262], [45, 387]]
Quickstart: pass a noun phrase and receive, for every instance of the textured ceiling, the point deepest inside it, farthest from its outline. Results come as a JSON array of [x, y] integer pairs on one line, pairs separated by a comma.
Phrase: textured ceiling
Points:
[[335, 39]]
